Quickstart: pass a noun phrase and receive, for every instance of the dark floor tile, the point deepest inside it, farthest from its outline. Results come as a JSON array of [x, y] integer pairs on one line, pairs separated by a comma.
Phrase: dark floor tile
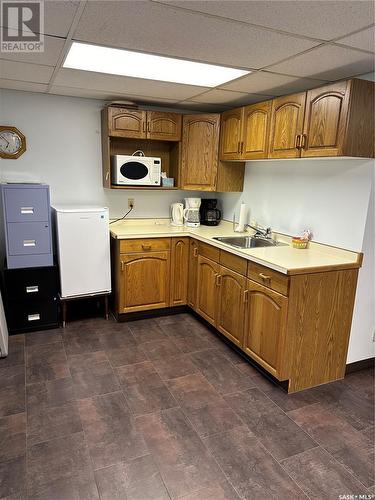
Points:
[[43, 337], [12, 436], [248, 466], [369, 434], [46, 362], [138, 479], [160, 349], [229, 352], [146, 330], [16, 352], [13, 477], [92, 374], [289, 402], [363, 380], [126, 356], [183, 461], [320, 476], [60, 468], [144, 390], [193, 391], [49, 394], [187, 337], [247, 369], [250, 405], [220, 372], [78, 342], [116, 340], [212, 419], [347, 445], [84, 326], [53, 422], [174, 318], [175, 367], [110, 431], [223, 491], [12, 390]]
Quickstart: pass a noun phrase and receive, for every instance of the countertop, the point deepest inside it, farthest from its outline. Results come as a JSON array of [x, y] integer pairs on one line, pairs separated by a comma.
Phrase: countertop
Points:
[[285, 259]]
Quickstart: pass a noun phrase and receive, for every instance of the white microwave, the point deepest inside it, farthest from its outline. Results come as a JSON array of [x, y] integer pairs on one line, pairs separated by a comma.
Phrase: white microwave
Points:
[[135, 170]]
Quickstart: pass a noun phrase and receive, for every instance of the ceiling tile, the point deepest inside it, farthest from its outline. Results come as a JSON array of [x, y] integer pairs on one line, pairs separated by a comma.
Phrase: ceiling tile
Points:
[[203, 107], [228, 98], [362, 40], [324, 20], [25, 86], [263, 82], [52, 50], [58, 16], [25, 72], [328, 62], [125, 85], [156, 28]]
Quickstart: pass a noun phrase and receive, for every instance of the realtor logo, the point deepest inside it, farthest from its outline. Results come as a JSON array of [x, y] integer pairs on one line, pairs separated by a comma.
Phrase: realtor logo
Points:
[[22, 26]]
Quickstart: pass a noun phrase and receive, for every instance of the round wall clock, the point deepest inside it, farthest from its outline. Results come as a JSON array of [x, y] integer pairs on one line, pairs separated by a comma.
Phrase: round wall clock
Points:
[[12, 142]]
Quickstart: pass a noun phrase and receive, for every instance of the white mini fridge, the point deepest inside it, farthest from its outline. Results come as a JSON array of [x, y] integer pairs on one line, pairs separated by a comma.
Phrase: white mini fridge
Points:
[[83, 250]]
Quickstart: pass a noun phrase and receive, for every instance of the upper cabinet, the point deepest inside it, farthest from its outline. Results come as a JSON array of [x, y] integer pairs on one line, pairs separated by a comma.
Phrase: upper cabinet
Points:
[[164, 126], [334, 120]]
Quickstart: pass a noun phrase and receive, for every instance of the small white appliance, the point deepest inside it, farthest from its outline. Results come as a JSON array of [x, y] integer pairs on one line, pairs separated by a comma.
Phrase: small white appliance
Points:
[[136, 170], [3, 331], [177, 214], [83, 250], [191, 212]]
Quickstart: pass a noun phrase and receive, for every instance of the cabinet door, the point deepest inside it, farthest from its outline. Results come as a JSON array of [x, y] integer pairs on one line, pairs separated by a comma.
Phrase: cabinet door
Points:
[[265, 325], [207, 288], [179, 271], [230, 315], [287, 126], [193, 273], [144, 281], [200, 142], [325, 120], [255, 132], [127, 123], [231, 134], [164, 126]]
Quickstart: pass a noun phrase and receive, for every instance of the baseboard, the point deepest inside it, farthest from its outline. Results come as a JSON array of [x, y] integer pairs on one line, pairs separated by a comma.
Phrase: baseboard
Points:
[[152, 313], [363, 364]]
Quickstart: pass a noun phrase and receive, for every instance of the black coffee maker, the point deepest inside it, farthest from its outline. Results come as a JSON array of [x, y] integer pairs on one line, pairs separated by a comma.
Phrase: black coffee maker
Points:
[[209, 214]]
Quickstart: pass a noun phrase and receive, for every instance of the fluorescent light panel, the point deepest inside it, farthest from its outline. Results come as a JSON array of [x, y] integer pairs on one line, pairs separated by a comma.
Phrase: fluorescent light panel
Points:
[[138, 65]]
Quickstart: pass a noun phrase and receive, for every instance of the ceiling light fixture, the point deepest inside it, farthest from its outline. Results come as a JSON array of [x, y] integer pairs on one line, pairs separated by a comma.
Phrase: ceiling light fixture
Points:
[[151, 67]]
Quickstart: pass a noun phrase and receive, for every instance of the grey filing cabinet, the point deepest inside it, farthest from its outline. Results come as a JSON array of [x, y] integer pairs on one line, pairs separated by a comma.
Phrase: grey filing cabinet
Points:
[[26, 221]]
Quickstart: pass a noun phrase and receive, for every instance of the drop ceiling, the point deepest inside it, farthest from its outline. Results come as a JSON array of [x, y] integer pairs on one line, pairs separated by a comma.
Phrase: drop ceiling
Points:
[[287, 45]]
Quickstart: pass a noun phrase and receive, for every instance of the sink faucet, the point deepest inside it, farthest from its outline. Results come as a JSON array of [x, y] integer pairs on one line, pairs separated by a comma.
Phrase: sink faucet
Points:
[[261, 232]]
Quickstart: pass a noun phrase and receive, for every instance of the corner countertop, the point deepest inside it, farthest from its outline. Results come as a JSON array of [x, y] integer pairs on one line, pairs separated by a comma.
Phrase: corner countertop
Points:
[[285, 259]]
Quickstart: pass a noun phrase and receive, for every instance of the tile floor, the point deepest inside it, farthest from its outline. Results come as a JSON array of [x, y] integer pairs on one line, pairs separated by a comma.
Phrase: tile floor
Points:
[[163, 408]]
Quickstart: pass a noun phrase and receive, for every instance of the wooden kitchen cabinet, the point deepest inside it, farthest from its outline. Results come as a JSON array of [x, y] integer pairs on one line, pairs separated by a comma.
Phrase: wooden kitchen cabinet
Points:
[[164, 126], [230, 312], [144, 281], [127, 123], [231, 134], [207, 289], [255, 130], [179, 271], [193, 273]]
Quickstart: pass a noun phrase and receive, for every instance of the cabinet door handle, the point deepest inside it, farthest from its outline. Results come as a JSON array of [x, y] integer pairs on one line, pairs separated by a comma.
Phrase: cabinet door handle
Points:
[[304, 140], [265, 277], [33, 317], [298, 141], [239, 147], [32, 289], [29, 243], [122, 265], [218, 279], [195, 252], [245, 296], [144, 126], [146, 247], [27, 210], [148, 127]]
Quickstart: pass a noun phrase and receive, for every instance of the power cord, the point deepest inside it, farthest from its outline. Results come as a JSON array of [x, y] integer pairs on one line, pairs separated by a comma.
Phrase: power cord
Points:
[[123, 217]]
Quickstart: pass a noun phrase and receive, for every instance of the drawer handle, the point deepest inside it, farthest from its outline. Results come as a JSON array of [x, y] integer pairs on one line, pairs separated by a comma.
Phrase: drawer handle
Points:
[[32, 289], [27, 210], [265, 277], [146, 247], [33, 317], [29, 243]]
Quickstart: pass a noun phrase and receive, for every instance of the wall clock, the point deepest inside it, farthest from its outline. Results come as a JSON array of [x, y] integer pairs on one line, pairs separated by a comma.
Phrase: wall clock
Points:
[[12, 142]]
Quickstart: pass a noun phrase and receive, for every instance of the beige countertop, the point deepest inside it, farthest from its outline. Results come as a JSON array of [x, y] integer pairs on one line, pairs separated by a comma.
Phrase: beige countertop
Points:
[[285, 259]]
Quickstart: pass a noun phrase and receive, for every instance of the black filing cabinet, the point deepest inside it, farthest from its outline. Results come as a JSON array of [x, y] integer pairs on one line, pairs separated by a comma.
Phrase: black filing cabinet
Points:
[[31, 298]]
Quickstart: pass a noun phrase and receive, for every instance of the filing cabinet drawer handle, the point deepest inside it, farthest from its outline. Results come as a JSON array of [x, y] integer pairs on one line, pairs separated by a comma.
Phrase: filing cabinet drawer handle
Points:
[[33, 317], [265, 277], [27, 210], [32, 289], [29, 243]]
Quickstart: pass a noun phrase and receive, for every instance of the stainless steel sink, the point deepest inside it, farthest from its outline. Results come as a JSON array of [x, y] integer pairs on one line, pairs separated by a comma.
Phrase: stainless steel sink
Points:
[[248, 241]]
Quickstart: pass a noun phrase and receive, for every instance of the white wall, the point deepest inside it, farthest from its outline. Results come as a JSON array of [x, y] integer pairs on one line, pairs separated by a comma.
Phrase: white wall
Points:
[[64, 151]]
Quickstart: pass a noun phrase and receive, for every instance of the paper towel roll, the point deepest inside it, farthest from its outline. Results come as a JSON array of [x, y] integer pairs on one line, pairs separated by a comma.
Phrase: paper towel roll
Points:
[[241, 221]]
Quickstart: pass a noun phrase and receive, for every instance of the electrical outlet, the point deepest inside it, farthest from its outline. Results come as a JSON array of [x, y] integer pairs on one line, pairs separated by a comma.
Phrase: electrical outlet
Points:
[[131, 203]]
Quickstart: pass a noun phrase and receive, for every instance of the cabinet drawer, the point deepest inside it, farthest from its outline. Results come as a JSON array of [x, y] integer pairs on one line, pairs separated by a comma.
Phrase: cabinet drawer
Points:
[[31, 284], [33, 314], [233, 262], [209, 251], [145, 245], [28, 238], [269, 278], [26, 204]]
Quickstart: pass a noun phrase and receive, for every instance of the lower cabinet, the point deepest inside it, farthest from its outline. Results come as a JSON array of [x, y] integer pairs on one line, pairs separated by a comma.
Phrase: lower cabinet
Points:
[[193, 273], [265, 326], [179, 271], [207, 288]]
